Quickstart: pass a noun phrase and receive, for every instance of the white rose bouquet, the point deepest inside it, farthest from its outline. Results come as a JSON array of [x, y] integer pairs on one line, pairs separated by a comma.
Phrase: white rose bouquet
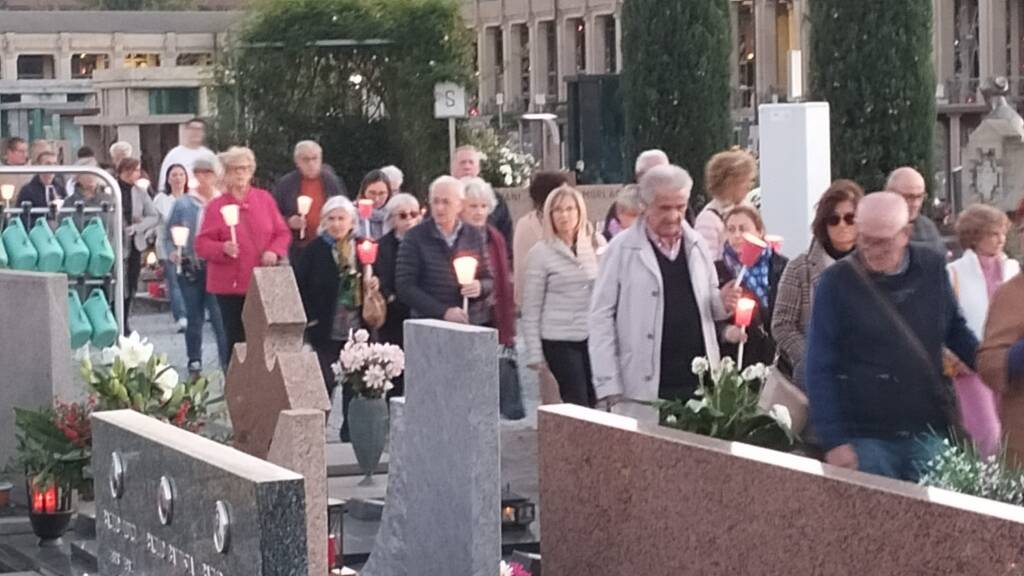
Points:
[[370, 368], [133, 377]]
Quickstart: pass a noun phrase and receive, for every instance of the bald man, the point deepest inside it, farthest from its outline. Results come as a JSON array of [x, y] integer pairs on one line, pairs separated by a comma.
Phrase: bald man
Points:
[[908, 183], [880, 320]]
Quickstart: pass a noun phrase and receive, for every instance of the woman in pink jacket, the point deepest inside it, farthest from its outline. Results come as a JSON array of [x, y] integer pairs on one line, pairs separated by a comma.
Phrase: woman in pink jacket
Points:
[[261, 239]]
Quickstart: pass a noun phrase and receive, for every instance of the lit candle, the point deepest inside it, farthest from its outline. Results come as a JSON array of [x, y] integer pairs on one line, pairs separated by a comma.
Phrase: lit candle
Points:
[[367, 251], [50, 499], [230, 214], [305, 203], [465, 271], [142, 184], [365, 208], [193, 185], [179, 235], [744, 312], [37, 499], [7, 193], [774, 241]]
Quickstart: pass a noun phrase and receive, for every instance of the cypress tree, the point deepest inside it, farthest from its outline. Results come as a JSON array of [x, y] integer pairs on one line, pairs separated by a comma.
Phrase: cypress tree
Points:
[[675, 80], [871, 61]]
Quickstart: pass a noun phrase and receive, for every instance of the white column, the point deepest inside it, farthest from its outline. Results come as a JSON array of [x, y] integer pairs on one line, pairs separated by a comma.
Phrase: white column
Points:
[[538, 61], [1015, 32], [595, 43], [565, 43], [943, 36], [62, 59], [764, 26], [734, 52], [992, 38], [618, 40], [9, 60], [485, 65], [513, 65]]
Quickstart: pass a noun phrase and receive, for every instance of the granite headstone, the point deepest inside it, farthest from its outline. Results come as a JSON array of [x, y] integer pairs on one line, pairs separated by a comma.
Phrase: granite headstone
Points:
[[35, 351], [170, 502], [444, 488]]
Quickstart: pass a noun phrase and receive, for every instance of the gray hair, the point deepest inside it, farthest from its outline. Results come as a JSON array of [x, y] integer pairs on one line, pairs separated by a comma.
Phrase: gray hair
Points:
[[394, 176], [307, 145], [446, 181], [121, 147], [396, 202], [335, 203], [479, 189], [649, 159], [628, 198], [667, 178]]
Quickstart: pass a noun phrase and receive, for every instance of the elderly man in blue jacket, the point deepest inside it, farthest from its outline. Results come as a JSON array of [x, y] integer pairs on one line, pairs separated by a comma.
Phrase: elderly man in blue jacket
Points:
[[881, 318]]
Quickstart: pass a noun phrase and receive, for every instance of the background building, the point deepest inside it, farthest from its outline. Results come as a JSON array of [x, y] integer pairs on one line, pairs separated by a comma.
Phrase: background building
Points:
[[107, 76]]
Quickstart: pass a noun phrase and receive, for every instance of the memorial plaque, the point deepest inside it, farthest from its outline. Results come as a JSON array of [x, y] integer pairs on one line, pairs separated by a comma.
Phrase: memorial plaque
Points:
[[171, 502]]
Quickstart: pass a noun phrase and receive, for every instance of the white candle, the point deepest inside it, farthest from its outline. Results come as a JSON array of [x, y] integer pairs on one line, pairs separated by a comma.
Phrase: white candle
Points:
[[179, 235], [230, 214], [305, 203], [7, 193], [142, 184], [465, 271]]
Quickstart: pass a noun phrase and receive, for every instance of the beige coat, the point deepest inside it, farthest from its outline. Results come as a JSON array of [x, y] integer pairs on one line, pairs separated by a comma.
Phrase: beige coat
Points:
[[529, 232], [1005, 326]]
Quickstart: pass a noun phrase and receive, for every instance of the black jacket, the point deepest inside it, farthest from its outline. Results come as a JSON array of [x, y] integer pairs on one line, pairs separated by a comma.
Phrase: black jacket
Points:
[[286, 191], [501, 219], [760, 346], [387, 261], [35, 192], [316, 273], [425, 275]]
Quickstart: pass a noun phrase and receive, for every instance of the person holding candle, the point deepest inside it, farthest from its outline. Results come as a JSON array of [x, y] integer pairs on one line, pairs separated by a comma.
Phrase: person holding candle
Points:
[[187, 212], [139, 217], [656, 303], [333, 289], [466, 164], [312, 179], [425, 274], [976, 276], [729, 176], [878, 398], [374, 193], [403, 214], [478, 205], [834, 231], [760, 283], [260, 238], [176, 181], [560, 274]]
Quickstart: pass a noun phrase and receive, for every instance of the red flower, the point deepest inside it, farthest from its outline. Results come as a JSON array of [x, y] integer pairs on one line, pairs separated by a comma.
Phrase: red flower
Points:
[[179, 418]]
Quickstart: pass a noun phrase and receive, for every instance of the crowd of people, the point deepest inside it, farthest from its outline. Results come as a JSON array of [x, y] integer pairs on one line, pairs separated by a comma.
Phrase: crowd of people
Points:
[[893, 345]]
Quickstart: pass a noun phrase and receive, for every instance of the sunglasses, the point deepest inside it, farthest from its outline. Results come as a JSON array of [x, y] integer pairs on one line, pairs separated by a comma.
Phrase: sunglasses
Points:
[[406, 215], [850, 218]]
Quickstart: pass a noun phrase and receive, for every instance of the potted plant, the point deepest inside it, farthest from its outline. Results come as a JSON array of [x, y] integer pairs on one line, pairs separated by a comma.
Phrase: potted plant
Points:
[[727, 408], [369, 369], [54, 447]]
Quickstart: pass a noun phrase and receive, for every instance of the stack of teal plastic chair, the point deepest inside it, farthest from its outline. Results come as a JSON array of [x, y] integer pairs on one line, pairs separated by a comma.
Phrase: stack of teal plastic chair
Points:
[[51, 255], [101, 254], [21, 254], [104, 326], [3, 256], [78, 321], [76, 253]]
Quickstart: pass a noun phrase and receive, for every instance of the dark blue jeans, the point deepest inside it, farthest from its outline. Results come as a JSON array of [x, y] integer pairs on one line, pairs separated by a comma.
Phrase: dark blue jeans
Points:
[[174, 290], [900, 458], [199, 303]]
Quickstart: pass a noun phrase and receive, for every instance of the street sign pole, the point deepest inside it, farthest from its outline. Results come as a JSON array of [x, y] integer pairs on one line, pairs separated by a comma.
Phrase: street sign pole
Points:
[[450, 104], [451, 141]]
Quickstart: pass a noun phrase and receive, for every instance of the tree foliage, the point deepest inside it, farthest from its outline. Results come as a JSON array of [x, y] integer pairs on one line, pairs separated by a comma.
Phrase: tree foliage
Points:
[[871, 61], [675, 56], [369, 104]]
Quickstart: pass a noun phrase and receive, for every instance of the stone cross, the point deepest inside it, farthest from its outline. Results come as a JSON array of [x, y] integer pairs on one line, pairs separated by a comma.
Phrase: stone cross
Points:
[[277, 398]]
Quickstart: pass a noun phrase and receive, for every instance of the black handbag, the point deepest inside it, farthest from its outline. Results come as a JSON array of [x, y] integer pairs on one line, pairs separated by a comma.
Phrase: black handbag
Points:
[[510, 393]]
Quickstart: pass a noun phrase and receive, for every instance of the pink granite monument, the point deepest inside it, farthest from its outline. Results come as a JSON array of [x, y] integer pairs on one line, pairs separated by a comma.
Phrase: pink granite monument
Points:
[[620, 497]]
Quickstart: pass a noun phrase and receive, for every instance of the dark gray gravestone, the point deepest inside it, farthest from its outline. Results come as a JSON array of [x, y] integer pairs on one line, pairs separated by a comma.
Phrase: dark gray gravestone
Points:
[[171, 502]]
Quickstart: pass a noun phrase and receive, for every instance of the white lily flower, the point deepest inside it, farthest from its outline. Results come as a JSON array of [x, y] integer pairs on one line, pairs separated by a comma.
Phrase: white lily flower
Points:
[[167, 382], [781, 415], [700, 366], [134, 350]]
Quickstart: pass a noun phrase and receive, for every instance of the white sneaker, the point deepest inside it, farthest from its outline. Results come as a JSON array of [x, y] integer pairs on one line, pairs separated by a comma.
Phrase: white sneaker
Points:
[[182, 324]]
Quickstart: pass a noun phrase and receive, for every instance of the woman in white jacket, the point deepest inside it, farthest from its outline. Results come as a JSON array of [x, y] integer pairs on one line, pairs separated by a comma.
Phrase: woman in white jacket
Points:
[[560, 273], [655, 303], [982, 269]]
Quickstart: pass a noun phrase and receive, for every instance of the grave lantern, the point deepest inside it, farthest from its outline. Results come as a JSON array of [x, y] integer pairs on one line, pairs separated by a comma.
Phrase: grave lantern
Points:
[[335, 532]]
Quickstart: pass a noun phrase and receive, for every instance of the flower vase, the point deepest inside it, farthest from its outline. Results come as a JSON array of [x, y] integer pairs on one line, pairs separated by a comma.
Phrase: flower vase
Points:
[[50, 513], [368, 430]]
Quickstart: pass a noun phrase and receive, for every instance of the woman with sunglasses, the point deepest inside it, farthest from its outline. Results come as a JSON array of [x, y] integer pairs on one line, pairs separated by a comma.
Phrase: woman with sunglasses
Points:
[[835, 236], [403, 212]]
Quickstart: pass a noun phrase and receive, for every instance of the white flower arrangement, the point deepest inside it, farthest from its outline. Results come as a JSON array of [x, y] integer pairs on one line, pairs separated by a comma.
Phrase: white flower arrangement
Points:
[[370, 367]]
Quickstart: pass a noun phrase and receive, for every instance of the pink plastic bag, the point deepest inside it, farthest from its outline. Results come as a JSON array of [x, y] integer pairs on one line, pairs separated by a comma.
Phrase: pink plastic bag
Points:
[[979, 413]]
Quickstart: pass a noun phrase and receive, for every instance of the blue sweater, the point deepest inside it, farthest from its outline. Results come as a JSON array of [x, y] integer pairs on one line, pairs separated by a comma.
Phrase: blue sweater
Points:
[[863, 378]]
